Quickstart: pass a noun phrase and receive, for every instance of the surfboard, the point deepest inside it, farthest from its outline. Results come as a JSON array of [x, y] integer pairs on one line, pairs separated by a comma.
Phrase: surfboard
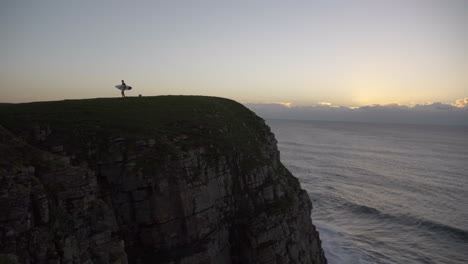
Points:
[[120, 87]]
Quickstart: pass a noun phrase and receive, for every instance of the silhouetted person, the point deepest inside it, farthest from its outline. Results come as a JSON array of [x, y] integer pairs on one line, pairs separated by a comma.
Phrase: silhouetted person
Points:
[[124, 86]]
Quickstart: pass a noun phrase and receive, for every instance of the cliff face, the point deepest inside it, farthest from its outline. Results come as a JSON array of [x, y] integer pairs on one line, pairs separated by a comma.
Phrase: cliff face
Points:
[[50, 211], [165, 180]]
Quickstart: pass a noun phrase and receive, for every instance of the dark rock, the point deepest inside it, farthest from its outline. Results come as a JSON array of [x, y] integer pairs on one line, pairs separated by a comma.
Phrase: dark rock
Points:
[[175, 198]]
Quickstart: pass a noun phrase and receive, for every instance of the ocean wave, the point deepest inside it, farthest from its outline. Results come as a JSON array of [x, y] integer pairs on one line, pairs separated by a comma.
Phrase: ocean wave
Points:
[[410, 220]]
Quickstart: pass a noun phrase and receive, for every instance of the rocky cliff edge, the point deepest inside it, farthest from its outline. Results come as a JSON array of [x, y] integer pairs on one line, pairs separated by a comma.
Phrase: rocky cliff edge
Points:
[[167, 179]]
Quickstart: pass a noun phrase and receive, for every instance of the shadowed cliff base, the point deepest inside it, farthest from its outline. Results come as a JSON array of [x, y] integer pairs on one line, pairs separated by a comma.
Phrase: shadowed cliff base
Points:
[[167, 179]]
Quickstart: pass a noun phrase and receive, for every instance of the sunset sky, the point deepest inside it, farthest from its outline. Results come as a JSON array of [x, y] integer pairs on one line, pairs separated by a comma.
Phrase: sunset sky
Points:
[[348, 53]]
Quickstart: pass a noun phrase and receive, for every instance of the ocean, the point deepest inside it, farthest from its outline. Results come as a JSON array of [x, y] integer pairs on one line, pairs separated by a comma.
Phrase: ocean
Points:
[[382, 193]]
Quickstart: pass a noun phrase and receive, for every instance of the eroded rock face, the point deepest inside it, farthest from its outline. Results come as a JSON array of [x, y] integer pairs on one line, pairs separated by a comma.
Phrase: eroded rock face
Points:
[[154, 199], [206, 206], [51, 212]]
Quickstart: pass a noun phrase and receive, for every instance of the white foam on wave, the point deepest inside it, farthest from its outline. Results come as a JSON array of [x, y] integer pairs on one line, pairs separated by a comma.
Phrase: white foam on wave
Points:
[[338, 249]]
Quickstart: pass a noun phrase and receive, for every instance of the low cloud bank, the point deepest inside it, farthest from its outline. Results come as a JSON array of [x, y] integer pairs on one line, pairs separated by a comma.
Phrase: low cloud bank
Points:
[[430, 113]]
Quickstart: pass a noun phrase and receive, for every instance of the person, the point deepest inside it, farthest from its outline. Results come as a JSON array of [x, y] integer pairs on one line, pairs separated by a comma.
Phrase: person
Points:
[[124, 86]]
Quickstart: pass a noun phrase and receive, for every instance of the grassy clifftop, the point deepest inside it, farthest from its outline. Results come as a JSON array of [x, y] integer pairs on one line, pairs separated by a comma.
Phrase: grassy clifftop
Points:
[[194, 117]]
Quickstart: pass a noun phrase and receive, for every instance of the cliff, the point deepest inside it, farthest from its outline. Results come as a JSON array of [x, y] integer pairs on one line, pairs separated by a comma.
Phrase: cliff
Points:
[[167, 179]]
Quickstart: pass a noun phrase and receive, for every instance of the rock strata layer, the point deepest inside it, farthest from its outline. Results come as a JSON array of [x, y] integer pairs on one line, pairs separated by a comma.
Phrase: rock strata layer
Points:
[[207, 189]]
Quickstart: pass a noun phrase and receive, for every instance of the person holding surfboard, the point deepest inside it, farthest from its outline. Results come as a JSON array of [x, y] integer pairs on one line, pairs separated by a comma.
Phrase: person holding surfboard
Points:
[[122, 87]]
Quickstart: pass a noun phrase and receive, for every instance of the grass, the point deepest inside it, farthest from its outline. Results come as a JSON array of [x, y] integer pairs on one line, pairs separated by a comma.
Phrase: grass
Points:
[[195, 119]]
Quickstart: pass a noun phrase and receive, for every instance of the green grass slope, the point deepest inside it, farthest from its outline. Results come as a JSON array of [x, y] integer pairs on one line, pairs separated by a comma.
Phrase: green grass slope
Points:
[[195, 117]]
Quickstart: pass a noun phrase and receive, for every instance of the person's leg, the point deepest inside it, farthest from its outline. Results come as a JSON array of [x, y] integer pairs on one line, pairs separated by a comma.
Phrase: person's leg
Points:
[[123, 93]]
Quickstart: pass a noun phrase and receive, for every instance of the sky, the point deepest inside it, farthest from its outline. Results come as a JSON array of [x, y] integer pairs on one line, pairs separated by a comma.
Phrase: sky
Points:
[[350, 53]]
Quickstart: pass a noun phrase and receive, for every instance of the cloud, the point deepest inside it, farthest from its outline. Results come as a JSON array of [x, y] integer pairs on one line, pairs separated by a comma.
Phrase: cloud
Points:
[[437, 106], [288, 104], [428, 113], [386, 107], [461, 103]]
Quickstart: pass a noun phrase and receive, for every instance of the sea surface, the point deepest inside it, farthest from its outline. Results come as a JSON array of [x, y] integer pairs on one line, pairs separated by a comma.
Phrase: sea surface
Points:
[[382, 193]]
